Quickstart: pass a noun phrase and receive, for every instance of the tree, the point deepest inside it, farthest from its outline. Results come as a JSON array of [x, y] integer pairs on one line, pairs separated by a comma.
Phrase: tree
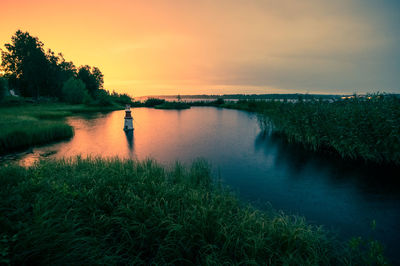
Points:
[[24, 60], [3, 87], [74, 91], [34, 72], [92, 77], [121, 99], [58, 72]]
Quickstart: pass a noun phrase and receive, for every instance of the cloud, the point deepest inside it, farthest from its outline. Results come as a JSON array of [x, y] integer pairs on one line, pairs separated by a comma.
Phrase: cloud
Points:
[[339, 46], [316, 45]]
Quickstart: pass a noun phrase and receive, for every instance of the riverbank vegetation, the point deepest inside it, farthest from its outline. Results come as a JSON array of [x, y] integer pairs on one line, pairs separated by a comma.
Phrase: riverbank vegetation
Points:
[[173, 105], [366, 128], [25, 125], [110, 211], [23, 132], [162, 104]]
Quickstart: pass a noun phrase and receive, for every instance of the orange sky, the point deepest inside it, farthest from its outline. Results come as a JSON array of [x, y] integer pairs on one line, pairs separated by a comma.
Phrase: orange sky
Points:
[[226, 46]]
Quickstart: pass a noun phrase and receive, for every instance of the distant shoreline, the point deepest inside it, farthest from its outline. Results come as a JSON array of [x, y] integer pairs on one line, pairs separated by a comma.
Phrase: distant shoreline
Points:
[[251, 96]]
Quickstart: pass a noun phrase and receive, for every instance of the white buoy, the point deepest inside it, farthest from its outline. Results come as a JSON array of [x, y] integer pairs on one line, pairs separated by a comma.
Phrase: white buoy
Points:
[[128, 124]]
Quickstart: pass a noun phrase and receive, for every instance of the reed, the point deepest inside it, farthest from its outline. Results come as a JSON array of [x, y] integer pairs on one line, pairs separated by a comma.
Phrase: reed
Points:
[[23, 126], [23, 132], [365, 128], [52, 110], [110, 211]]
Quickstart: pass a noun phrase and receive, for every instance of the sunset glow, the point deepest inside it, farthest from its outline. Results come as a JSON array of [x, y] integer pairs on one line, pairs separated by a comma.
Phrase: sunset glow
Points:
[[216, 47]]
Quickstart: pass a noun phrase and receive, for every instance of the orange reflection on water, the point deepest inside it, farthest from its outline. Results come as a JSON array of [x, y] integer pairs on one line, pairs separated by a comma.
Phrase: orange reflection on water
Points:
[[166, 135], [102, 136]]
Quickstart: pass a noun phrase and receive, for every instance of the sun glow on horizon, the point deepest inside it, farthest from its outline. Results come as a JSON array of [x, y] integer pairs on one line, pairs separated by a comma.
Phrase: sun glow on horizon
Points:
[[207, 47]]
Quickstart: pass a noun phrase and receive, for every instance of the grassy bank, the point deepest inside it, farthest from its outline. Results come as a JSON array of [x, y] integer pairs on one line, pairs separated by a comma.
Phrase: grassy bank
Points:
[[358, 128], [23, 126], [96, 211], [23, 132]]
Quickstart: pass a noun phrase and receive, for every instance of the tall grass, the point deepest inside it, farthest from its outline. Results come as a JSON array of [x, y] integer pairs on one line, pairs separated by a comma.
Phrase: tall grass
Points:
[[22, 132], [97, 211], [23, 126], [359, 128]]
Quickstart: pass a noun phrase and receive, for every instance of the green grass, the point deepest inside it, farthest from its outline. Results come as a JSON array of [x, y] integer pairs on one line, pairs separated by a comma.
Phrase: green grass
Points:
[[26, 125], [53, 110], [24, 132], [97, 211], [359, 128]]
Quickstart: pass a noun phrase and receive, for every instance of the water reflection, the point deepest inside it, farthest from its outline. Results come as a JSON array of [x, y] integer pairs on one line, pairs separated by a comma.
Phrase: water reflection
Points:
[[129, 139], [343, 195]]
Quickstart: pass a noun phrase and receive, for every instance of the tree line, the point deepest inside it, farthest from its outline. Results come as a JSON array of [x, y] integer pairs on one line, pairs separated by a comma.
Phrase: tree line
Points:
[[32, 71]]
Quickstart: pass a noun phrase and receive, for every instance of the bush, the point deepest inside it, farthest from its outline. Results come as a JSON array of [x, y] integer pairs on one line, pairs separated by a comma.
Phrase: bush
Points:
[[74, 91], [219, 101], [3, 87], [103, 98], [151, 102], [121, 99], [173, 105]]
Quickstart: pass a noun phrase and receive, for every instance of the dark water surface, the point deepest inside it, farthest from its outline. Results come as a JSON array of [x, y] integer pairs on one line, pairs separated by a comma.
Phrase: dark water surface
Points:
[[341, 196]]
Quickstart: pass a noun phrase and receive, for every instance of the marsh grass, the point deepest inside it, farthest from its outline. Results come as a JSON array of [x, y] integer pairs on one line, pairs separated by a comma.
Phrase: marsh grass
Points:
[[23, 126], [358, 128], [53, 110], [111, 211], [18, 132]]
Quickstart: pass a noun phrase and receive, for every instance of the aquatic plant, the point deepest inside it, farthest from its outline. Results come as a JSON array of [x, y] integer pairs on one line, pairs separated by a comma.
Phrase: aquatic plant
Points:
[[366, 128], [111, 211]]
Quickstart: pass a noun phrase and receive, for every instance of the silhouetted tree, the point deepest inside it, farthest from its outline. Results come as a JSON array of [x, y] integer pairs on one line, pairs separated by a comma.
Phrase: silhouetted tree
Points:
[[92, 77], [34, 72], [24, 61], [58, 72]]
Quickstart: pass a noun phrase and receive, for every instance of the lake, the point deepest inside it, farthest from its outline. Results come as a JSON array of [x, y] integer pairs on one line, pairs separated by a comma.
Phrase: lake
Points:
[[343, 196]]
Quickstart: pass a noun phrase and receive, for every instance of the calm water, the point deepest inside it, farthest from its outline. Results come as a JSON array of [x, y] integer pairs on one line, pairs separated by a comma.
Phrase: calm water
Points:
[[342, 197]]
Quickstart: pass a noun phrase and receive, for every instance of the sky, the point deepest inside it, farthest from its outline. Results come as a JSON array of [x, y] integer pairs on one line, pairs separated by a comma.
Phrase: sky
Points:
[[221, 46]]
